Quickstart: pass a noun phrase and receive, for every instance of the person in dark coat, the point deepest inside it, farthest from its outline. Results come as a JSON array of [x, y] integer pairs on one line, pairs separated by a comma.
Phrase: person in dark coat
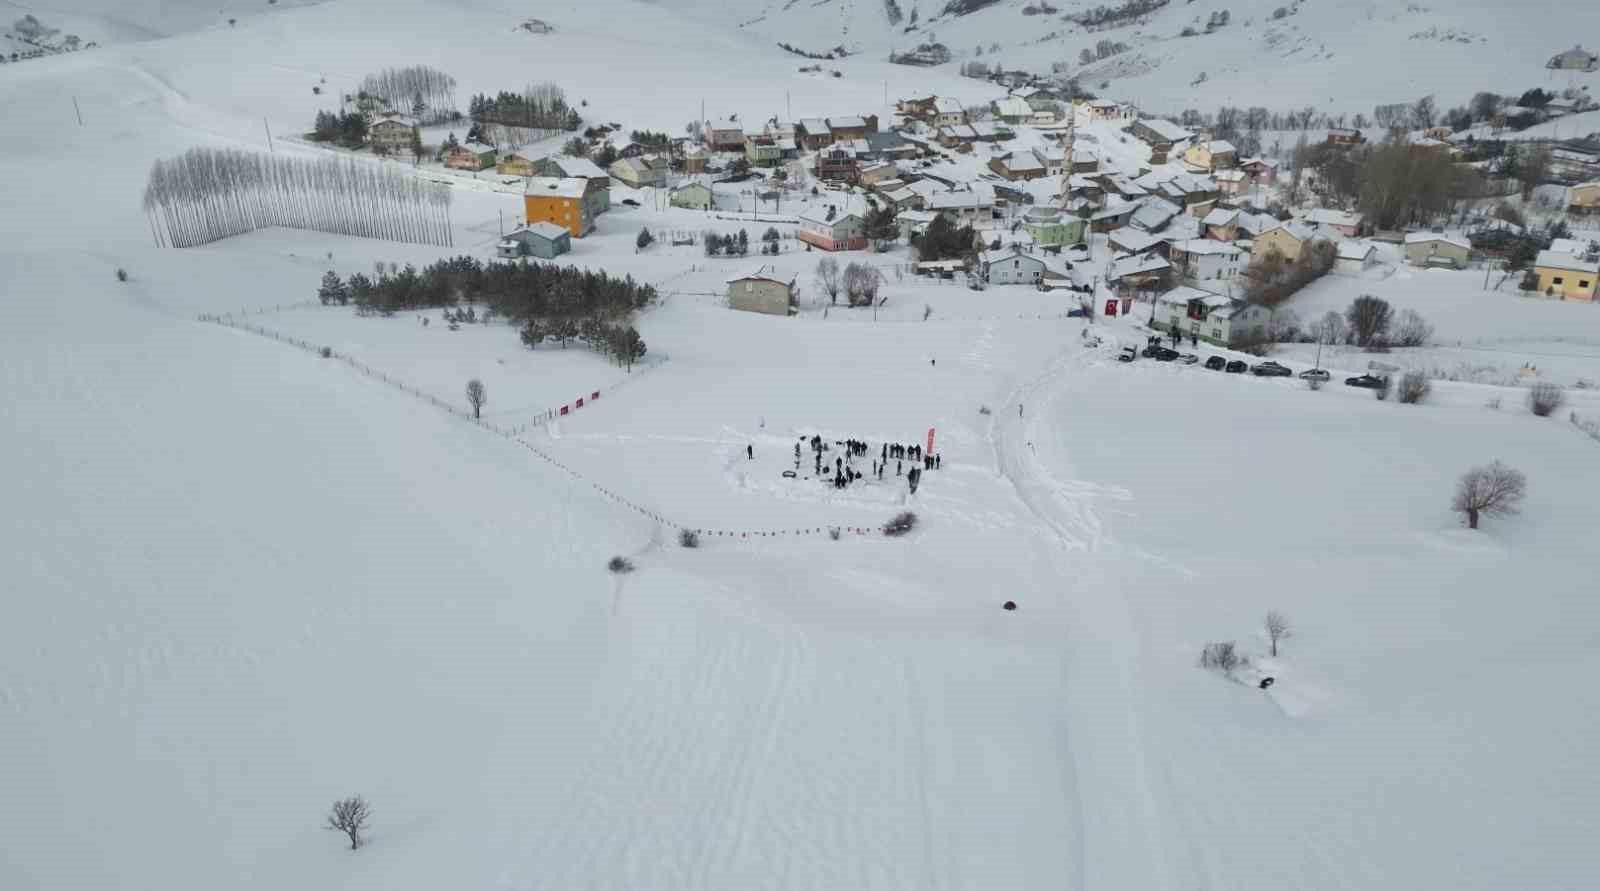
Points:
[[897, 468], [938, 460], [750, 452]]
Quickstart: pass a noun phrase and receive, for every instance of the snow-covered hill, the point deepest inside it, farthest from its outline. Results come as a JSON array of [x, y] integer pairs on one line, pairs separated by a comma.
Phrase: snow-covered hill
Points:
[[241, 580], [1337, 57]]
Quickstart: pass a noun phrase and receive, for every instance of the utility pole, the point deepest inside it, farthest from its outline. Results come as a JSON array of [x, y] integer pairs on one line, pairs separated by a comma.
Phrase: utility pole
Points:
[[78, 110], [269, 135]]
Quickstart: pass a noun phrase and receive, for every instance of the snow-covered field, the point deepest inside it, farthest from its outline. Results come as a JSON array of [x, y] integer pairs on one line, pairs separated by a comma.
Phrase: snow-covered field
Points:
[[243, 580]]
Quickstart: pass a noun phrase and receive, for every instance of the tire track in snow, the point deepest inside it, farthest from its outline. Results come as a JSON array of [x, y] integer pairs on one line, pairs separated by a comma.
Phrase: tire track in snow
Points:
[[1120, 832]]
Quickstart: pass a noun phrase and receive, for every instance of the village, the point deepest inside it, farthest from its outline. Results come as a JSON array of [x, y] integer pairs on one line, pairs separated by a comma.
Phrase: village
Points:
[[1041, 187]]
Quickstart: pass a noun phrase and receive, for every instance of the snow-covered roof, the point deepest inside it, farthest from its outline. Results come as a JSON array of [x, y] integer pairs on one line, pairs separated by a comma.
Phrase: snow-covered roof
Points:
[[1136, 265], [1228, 176], [916, 216], [546, 230], [402, 120], [1297, 230], [946, 105], [958, 131], [958, 201], [764, 274], [1355, 250], [577, 166], [850, 122], [1567, 245], [1425, 237], [691, 184], [1259, 162], [1205, 246], [1025, 92], [1134, 241], [1183, 295], [1555, 260], [725, 124], [1012, 106], [1004, 254], [1165, 129], [1154, 212], [989, 128], [819, 215], [1021, 161], [562, 186], [477, 148], [899, 195], [1102, 103], [1327, 216], [1221, 216], [814, 126], [1041, 213]]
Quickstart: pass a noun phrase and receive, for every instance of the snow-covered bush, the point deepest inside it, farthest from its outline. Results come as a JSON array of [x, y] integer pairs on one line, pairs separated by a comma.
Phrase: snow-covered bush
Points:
[[1414, 387], [122, 274], [688, 538], [1222, 656], [902, 523], [620, 565], [1544, 398]]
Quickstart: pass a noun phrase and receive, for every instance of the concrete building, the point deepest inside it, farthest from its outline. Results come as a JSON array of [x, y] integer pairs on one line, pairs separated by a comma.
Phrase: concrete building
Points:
[[762, 291], [839, 232], [1437, 249], [693, 195], [1205, 260], [1566, 276], [1010, 267]]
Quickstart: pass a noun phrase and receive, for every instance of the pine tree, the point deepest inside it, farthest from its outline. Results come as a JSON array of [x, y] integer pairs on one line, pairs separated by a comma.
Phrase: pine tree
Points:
[[333, 290]]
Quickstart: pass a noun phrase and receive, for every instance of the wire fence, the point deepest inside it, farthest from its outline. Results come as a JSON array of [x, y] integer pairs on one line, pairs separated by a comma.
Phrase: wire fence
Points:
[[515, 434]]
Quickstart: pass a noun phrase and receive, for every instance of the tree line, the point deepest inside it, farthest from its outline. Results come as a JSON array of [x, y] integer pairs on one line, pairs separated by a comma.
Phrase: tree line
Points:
[[543, 106], [207, 194], [427, 94], [1392, 184], [347, 129], [559, 303]]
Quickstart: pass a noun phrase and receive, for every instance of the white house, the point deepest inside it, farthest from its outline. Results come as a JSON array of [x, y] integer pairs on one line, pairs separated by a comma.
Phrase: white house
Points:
[[832, 231], [1205, 259], [1010, 267], [1215, 318], [693, 195], [948, 112]]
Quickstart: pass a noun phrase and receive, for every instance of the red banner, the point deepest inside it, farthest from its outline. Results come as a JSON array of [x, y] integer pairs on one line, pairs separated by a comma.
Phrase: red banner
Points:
[[580, 402], [564, 409], [595, 395], [930, 440]]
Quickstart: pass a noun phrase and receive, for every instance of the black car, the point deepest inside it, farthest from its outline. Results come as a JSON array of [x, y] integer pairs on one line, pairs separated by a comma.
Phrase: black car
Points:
[[1216, 363], [1367, 381], [630, 202], [1270, 369], [1162, 354], [1237, 366]]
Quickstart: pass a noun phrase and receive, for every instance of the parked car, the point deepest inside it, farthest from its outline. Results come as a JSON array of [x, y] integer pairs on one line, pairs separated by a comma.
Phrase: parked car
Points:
[[1270, 369], [1162, 354], [1078, 253], [1237, 366], [1315, 374], [1367, 381], [1188, 358], [1216, 363], [1128, 354], [630, 202], [1077, 313]]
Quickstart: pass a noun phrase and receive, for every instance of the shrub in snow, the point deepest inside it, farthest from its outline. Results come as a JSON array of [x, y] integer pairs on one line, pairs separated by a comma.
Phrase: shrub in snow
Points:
[[1224, 657], [326, 352], [1492, 489], [1412, 330], [122, 274], [834, 533], [620, 565], [1414, 387], [688, 538], [984, 410], [1544, 398], [902, 523]]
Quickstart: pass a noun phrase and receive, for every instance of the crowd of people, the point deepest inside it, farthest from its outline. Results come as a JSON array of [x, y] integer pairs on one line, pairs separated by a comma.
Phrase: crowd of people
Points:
[[845, 470]]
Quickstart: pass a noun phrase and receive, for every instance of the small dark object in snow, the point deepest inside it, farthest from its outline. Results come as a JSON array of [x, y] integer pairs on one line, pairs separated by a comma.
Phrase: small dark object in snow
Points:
[[1011, 604], [1266, 682]]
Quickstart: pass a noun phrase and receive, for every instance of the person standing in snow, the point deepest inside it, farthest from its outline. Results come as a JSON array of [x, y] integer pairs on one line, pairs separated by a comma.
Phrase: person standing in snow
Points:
[[938, 461], [897, 468], [750, 453]]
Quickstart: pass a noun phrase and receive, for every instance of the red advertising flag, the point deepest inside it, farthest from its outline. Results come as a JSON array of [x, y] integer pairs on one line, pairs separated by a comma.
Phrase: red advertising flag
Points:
[[1111, 307], [580, 402], [563, 409], [595, 395], [930, 440]]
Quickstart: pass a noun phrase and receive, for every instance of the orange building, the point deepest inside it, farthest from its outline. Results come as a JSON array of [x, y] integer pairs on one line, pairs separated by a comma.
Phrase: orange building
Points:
[[565, 201]]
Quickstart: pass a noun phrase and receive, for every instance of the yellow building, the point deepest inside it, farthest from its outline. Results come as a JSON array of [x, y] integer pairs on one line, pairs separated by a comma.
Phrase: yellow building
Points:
[[514, 164], [1210, 155], [1287, 238], [1565, 276], [559, 200], [1584, 198]]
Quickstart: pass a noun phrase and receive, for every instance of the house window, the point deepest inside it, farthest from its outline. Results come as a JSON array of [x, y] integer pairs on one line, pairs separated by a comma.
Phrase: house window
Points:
[[1583, 283], [1556, 280], [1216, 333]]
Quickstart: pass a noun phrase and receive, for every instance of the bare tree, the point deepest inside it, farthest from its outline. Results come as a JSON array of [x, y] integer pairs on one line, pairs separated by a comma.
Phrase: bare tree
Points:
[[1277, 625], [1412, 330], [350, 816], [1544, 398], [1424, 112], [1492, 489], [476, 397], [1331, 328], [1224, 657], [828, 278], [1414, 387], [1533, 170], [1369, 318]]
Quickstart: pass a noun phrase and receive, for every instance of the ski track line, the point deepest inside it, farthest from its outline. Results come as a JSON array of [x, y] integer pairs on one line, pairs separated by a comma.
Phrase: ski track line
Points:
[[1067, 510]]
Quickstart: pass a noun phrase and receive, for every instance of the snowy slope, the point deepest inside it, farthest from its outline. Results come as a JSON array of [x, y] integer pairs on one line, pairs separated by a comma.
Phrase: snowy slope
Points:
[[1320, 54], [244, 580]]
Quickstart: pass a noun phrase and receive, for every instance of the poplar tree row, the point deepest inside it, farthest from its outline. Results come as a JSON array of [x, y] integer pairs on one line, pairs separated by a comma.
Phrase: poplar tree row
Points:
[[427, 94], [208, 194]]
